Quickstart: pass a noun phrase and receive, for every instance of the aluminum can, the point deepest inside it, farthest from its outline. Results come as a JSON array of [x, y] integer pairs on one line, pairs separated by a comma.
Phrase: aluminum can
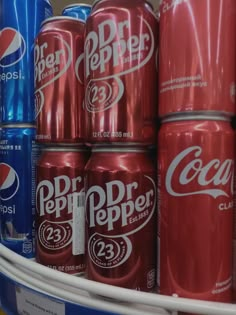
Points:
[[60, 224], [234, 269], [77, 10], [120, 207], [121, 73], [195, 220], [234, 246], [19, 23], [59, 71], [18, 155], [197, 70]]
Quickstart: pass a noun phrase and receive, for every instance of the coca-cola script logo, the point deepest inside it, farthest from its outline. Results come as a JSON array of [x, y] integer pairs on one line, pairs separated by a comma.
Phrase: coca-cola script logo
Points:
[[214, 178], [49, 66], [120, 206], [112, 50], [57, 196]]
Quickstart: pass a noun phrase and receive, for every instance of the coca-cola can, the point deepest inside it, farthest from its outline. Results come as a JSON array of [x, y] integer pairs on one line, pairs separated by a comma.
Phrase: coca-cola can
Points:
[[234, 270], [60, 219], [195, 218], [234, 246], [59, 81], [197, 56], [121, 217], [121, 73]]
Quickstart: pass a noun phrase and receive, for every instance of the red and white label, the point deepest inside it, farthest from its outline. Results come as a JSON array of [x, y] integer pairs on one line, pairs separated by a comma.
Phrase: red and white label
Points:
[[209, 177], [112, 50], [114, 213], [49, 65], [55, 204]]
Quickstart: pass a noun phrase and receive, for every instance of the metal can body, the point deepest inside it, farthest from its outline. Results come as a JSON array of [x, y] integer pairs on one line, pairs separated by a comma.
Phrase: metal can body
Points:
[[77, 10], [197, 56], [195, 185], [234, 248], [19, 24], [59, 225], [121, 73], [120, 218], [18, 155], [59, 71]]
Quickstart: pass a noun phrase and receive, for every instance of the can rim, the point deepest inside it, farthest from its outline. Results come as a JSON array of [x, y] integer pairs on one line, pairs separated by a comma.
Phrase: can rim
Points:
[[148, 1], [77, 4], [60, 17], [64, 149], [18, 126], [108, 149], [196, 116]]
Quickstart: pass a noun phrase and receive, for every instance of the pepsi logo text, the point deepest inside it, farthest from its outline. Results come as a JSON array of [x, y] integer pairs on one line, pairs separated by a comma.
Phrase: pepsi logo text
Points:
[[12, 50]]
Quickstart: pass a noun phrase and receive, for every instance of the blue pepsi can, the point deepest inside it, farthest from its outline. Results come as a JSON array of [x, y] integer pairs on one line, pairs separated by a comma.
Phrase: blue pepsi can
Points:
[[20, 22], [79, 11], [18, 157]]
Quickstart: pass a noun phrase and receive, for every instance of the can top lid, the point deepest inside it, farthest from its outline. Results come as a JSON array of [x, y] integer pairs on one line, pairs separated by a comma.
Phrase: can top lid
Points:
[[148, 1], [108, 148], [18, 126], [201, 115], [77, 4], [64, 149], [60, 17]]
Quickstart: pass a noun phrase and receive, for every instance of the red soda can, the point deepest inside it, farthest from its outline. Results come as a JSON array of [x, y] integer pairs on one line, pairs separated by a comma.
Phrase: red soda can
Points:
[[195, 225], [121, 218], [197, 56], [59, 87], [234, 270], [121, 73], [60, 224], [234, 248]]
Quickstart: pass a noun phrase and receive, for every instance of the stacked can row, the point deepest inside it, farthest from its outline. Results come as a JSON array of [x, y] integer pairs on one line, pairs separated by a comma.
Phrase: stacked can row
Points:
[[60, 125], [99, 90], [18, 150], [196, 148], [19, 24]]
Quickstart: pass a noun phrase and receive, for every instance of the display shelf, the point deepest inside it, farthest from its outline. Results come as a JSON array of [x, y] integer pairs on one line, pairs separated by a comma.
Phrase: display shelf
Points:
[[26, 286]]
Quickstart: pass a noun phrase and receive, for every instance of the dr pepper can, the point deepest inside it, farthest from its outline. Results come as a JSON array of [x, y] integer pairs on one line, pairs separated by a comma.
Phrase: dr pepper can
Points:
[[197, 56], [121, 217], [195, 226], [60, 227], [59, 88], [121, 73]]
